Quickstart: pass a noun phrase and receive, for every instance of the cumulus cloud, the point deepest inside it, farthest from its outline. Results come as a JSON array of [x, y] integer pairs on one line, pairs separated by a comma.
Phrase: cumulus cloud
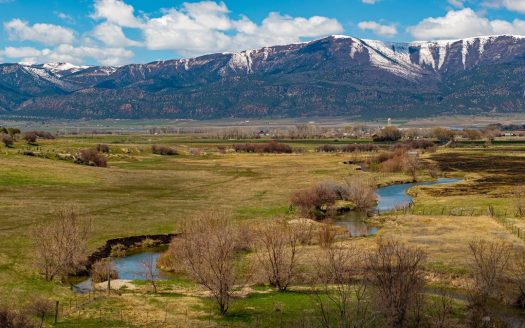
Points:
[[462, 24], [48, 34], [68, 53], [512, 5], [203, 27], [194, 28], [457, 3], [112, 35], [379, 29], [117, 12]]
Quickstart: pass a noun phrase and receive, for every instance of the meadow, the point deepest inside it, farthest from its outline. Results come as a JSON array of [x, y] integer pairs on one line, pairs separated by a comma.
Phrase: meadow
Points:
[[143, 193]]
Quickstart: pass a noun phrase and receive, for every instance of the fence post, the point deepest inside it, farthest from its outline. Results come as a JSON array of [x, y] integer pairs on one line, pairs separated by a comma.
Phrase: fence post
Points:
[[56, 312]]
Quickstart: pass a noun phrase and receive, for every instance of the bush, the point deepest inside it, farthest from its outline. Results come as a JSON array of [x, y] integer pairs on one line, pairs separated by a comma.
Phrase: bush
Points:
[[14, 319], [358, 148], [269, 147], [91, 157], [316, 202], [390, 133], [30, 137], [415, 144], [103, 148], [7, 140], [164, 150], [102, 270], [327, 149]]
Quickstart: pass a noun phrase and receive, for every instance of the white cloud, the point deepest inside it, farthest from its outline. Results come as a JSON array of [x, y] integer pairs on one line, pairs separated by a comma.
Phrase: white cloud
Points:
[[112, 35], [68, 53], [370, 2], [457, 3], [49, 34], [65, 17], [204, 27], [462, 24], [379, 29], [117, 12], [512, 5]]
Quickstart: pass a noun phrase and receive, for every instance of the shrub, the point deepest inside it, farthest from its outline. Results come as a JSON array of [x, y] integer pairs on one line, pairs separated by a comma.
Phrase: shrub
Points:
[[360, 192], [443, 135], [269, 147], [415, 144], [7, 140], [390, 133], [14, 319], [103, 270], [118, 250], [164, 150], [103, 148], [358, 148], [91, 157], [327, 149], [316, 202], [30, 137]]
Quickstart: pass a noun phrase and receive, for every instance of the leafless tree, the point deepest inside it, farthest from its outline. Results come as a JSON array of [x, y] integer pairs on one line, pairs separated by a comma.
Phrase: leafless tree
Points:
[[277, 244], [150, 271], [342, 300], [104, 270], [61, 244], [518, 274], [519, 200], [207, 248], [315, 202], [396, 270], [488, 265], [441, 309], [41, 307], [11, 318], [411, 165], [361, 192]]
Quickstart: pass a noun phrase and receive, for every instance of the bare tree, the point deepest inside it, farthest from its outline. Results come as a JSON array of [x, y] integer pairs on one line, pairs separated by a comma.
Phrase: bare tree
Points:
[[360, 192], [519, 200], [151, 274], [489, 262], [396, 270], [14, 318], [61, 245], [518, 273], [41, 307], [342, 300], [207, 249], [104, 270], [441, 309], [277, 244], [315, 202], [411, 165]]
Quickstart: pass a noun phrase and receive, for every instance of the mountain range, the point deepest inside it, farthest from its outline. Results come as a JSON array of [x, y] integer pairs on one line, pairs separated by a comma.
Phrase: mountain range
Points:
[[333, 76]]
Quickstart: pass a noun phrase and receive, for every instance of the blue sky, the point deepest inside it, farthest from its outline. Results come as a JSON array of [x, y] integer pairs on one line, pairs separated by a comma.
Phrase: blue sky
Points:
[[116, 32]]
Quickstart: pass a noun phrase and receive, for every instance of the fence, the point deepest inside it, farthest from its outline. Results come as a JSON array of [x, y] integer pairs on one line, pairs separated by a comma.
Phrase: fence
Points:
[[503, 216]]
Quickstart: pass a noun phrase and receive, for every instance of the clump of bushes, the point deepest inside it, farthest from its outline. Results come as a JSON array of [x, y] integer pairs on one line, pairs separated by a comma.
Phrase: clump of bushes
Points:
[[91, 157], [347, 148], [315, 202], [164, 150], [7, 140], [273, 147], [103, 148], [423, 144], [103, 270], [327, 149], [358, 148], [14, 319], [390, 133]]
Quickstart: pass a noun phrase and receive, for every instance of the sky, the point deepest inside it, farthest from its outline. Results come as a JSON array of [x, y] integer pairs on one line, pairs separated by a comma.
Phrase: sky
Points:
[[118, 32]]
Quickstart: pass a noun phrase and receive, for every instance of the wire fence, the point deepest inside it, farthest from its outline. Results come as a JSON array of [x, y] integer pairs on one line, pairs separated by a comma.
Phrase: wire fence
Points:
[[508, 218]]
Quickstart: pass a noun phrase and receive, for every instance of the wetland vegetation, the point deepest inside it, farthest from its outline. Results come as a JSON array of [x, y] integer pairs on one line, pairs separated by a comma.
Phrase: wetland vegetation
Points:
[[259, 207]]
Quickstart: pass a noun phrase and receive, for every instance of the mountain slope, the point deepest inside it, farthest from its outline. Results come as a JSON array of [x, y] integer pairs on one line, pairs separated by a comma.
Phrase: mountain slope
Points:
[[338, 75]]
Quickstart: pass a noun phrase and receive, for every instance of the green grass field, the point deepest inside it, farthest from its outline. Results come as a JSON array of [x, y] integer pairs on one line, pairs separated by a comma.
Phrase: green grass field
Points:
[[142, 193]]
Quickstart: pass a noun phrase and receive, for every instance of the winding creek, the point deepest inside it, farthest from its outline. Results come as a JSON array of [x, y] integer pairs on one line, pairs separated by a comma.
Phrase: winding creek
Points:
[[391, 197]]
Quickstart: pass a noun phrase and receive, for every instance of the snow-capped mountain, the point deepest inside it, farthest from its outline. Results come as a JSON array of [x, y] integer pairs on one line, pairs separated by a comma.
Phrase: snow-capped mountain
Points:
[[337, 75]]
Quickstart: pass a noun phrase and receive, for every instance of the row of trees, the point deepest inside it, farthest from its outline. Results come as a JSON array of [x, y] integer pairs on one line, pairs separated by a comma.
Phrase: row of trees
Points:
[[352, 287]]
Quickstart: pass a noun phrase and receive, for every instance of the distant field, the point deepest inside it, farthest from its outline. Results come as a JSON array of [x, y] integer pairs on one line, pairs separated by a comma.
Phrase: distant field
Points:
[[143, 193]]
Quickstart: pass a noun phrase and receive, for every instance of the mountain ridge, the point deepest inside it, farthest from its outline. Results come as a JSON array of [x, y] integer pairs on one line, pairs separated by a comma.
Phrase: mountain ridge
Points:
[[336, 75]]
